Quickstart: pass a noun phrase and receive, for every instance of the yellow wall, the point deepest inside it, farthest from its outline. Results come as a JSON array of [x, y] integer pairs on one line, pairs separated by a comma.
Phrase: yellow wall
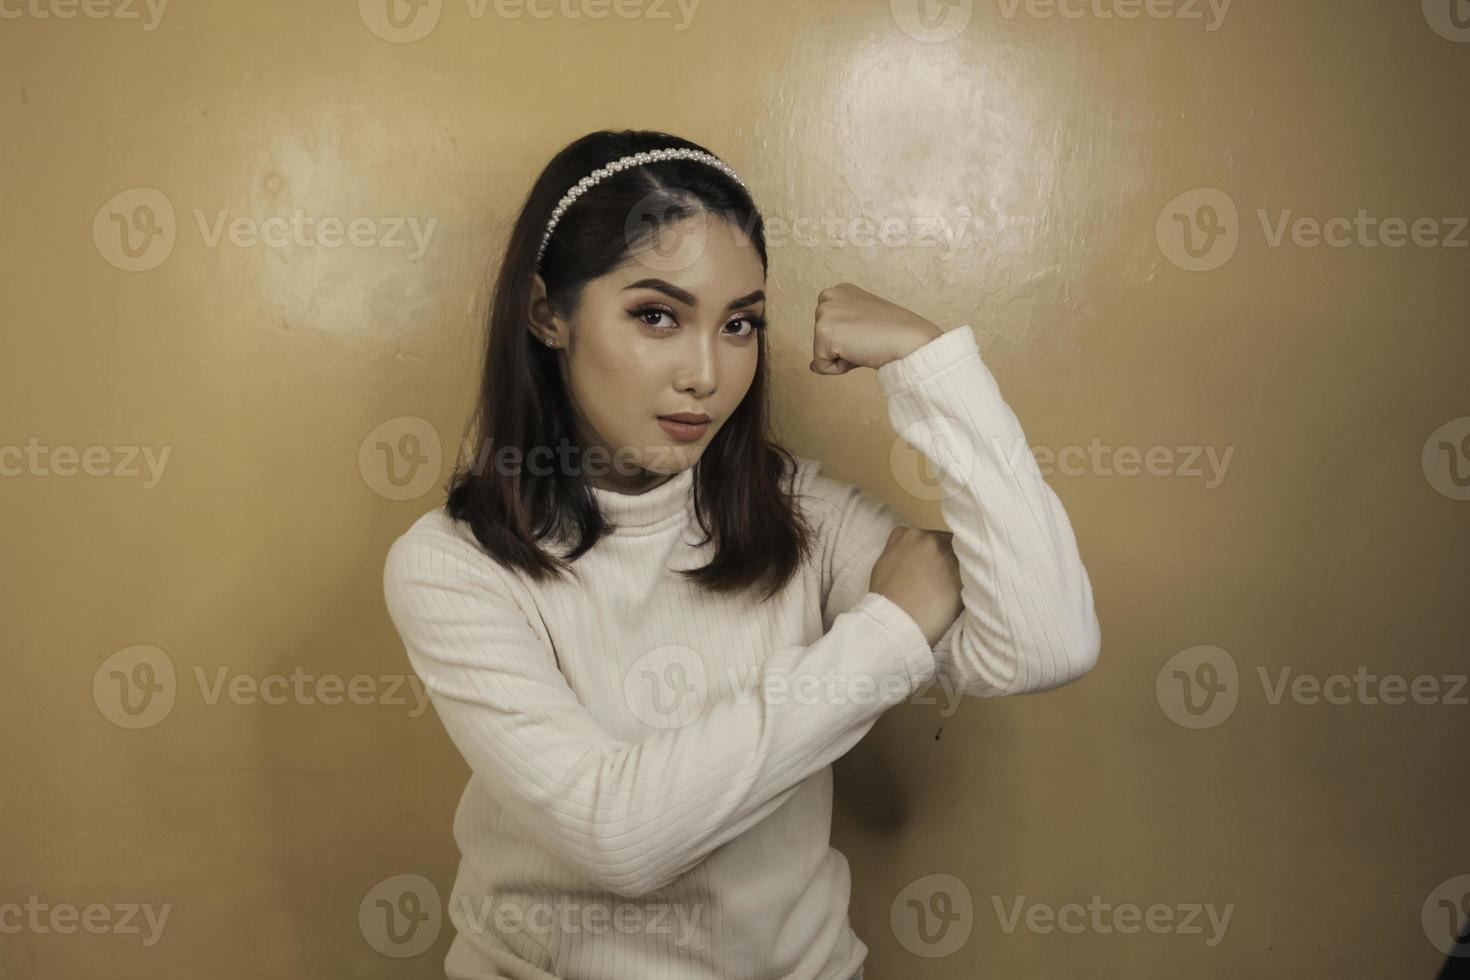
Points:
[[1334, 541]]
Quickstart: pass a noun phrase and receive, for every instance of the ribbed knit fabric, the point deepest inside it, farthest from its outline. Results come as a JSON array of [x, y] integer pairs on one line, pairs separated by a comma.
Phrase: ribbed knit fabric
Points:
[[651, 786]]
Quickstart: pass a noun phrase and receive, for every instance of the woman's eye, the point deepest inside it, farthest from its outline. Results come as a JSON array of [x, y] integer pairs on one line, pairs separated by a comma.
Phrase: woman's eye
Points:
[[756, 322], [651, 312], [655, 317]]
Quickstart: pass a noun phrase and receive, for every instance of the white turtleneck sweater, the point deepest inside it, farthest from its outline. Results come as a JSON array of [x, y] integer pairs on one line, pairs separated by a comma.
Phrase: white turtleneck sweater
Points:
[[650, 782]]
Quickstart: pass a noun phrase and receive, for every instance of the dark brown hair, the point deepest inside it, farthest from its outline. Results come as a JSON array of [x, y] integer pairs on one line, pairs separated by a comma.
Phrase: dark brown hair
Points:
[[740, 482]]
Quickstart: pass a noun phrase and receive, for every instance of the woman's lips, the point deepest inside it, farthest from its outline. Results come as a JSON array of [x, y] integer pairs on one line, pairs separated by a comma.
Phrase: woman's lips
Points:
[[684, 431]]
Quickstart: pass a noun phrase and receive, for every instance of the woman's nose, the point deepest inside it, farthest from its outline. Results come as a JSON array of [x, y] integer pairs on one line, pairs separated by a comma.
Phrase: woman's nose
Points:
[[697, 365]]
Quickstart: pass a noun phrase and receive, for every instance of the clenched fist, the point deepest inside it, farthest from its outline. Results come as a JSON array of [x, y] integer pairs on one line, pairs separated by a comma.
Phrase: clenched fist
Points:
[[854, 328], [918, 570]]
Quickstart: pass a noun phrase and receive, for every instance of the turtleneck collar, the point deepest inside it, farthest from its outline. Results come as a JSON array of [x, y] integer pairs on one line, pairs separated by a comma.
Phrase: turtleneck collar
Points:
[[651, 508]]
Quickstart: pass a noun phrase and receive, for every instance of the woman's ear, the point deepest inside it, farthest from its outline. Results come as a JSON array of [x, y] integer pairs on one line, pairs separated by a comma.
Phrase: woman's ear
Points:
[[542, 321]]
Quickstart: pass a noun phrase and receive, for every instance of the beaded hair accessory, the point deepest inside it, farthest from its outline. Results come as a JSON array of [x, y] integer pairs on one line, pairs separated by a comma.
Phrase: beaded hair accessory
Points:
[[623, 163]]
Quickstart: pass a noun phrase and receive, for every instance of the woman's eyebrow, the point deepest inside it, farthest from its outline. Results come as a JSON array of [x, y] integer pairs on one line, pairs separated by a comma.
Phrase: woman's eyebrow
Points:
[[688, 298]]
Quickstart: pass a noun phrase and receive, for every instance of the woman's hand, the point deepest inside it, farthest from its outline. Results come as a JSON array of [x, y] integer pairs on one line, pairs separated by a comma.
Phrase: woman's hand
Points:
[[918, 570], [854, 328]]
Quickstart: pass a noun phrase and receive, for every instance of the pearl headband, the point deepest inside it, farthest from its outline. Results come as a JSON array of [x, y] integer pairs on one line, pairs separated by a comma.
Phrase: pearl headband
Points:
[[623, 163]]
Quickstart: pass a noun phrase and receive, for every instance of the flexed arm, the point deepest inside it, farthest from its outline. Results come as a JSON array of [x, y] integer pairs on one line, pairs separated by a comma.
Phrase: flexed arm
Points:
[[1028, 622]]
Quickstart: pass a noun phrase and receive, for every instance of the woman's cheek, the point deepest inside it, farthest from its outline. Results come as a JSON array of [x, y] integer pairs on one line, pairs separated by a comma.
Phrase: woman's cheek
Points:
[[744, 376]]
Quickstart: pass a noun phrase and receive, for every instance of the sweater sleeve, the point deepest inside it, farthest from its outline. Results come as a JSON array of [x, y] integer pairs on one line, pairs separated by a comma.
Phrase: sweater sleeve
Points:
[[1028, 622], [631, 814]]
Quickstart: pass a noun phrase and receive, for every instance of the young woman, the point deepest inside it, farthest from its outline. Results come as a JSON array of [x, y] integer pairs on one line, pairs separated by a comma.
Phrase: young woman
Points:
[[650, 630]]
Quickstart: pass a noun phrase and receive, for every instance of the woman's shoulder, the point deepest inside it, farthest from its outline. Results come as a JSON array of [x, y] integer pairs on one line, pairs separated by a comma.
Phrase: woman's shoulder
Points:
[[816, 492], [808, 477], [437, 549], [435, 529]]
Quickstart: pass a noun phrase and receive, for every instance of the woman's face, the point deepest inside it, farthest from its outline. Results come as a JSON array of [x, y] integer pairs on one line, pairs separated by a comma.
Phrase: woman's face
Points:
[[671, 331]]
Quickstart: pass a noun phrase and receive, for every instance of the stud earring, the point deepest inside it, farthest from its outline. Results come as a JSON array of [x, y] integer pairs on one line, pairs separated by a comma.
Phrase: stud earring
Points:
[[550, 342]]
